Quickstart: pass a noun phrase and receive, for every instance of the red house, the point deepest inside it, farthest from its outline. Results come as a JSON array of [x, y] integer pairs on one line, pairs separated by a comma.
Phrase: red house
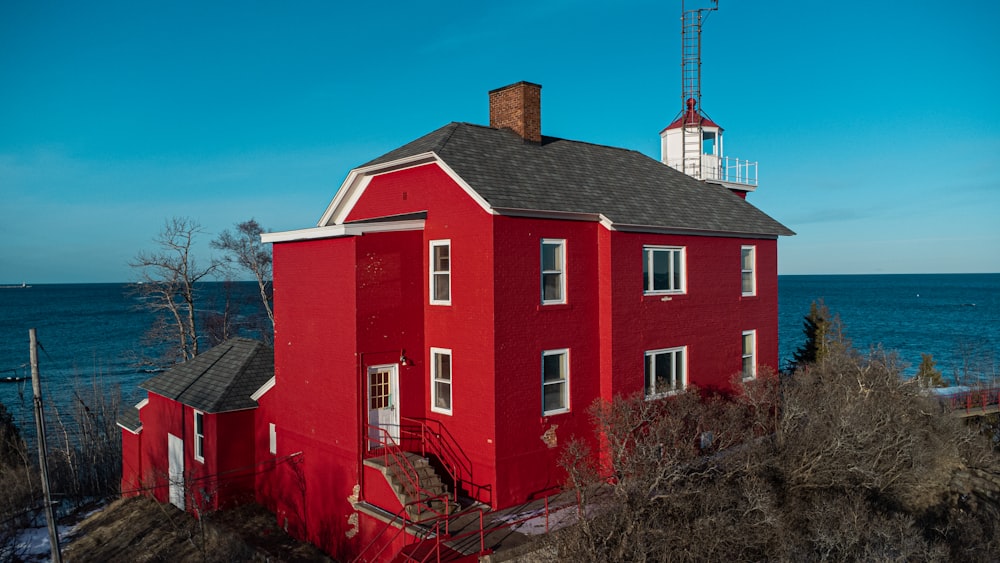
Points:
[[468, 295], [190, 442], [440, 334]]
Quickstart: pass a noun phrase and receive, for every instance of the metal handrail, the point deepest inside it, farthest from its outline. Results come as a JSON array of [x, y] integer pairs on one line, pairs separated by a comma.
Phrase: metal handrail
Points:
[[481, 531], [389, 447], [975, 399], [438, 441], [738, 171], [402, 514]]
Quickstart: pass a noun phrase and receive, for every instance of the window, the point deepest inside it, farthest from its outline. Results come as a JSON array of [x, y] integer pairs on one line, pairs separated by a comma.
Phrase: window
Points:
[[441, 380], [199, 436], [748, 270], [379, 388], [749, 354], [708, 143], [553, 271], [272, 434], [440, 272], [555, 381], [663, 269], [666, 372]]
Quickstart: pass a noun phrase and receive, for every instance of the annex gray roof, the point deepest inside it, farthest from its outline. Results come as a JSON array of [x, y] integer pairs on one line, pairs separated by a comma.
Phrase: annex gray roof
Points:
[[558, 175], [129, 419], [219, 380]]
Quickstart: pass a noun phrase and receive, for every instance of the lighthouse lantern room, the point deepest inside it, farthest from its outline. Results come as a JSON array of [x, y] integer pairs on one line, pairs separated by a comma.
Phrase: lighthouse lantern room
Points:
[[692, 143]]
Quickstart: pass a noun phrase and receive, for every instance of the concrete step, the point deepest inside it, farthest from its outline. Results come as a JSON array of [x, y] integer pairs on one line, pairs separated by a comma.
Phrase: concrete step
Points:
[[426, 478]]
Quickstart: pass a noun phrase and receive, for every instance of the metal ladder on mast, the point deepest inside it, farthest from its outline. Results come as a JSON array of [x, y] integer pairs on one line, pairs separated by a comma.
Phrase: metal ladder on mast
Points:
[[691, 144]]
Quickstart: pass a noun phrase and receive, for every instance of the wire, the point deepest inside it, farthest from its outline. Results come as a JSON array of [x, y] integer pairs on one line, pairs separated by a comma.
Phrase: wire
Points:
[[273, 463]]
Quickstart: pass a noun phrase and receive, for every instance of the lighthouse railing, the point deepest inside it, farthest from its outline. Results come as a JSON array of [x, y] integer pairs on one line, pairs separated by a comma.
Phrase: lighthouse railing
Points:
[[736, 171]]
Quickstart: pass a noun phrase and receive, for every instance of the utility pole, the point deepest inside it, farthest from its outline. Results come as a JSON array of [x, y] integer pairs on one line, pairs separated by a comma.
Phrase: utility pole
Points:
[[43, 465]]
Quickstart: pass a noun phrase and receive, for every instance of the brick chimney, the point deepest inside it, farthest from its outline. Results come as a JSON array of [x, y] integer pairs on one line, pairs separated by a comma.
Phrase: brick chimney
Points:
[[518, 107]]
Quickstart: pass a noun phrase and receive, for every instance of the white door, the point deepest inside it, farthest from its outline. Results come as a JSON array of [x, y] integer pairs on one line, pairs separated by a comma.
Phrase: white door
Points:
[[175, 470], [383, 401]]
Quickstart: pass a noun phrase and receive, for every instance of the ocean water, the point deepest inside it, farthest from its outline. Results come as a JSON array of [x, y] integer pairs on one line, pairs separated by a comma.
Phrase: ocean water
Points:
[[953, 317], [88, 334], [94, 332]]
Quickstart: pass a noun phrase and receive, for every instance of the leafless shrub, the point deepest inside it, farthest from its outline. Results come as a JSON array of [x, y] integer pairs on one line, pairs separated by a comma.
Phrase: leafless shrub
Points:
[[852, 422], [852, 463], [18, 486], [84, 450]]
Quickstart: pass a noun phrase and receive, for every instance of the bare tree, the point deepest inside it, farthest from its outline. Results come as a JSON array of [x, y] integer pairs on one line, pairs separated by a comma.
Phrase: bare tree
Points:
[[167, 279], [244, 249]]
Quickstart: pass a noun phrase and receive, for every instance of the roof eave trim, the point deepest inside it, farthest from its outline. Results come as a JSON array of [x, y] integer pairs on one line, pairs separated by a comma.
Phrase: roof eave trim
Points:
[[215, 411], [544, 214], [631, 228], [733, 185], [267, 386], [135, 431], [349, 230]]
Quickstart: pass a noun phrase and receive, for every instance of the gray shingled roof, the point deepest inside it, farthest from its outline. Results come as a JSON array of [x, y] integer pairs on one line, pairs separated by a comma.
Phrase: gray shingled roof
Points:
[[625, 186], [219, 380], [130, 419]]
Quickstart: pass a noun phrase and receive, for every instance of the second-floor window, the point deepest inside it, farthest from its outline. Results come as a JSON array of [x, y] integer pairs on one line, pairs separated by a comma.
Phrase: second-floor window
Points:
[[663, 269], [665, 372], [553, 271], [748, 270], [440, 267]]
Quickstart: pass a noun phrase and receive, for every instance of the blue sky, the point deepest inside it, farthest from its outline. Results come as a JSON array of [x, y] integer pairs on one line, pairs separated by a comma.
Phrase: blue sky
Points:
[[876, 123]]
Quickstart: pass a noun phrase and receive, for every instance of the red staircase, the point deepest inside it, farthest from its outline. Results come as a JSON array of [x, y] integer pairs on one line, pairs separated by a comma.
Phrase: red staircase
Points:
[[434, 527]]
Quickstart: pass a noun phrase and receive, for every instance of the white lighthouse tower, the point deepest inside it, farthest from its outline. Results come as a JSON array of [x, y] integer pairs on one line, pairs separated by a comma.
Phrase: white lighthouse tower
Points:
[[692, 143]]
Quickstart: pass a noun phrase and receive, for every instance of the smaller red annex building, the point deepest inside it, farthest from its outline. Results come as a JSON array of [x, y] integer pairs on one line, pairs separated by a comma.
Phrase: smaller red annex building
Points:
[[461, 303], [191, 441]]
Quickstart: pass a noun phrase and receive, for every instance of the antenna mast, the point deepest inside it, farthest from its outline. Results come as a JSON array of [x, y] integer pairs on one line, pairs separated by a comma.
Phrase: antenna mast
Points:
[[691, 22]]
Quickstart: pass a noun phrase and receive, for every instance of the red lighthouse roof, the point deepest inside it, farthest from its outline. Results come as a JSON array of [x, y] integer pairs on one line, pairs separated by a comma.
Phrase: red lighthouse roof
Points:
[[692, 116]]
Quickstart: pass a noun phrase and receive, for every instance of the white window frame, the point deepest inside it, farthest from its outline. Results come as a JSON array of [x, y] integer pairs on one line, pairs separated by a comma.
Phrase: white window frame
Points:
[[199, 437], [436, 378], [648, 252], [434, 273], [650, 359], [560, 245], [752, 354], [563, 381], [272, 439], [752, 270]]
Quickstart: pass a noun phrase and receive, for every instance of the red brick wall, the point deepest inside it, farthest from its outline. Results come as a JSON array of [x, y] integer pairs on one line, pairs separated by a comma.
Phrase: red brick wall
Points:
[[314, 403], [709, 319], [131, 482], [465, 326], [232, 443], [159, 417], [524, 329], [222, 478]]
